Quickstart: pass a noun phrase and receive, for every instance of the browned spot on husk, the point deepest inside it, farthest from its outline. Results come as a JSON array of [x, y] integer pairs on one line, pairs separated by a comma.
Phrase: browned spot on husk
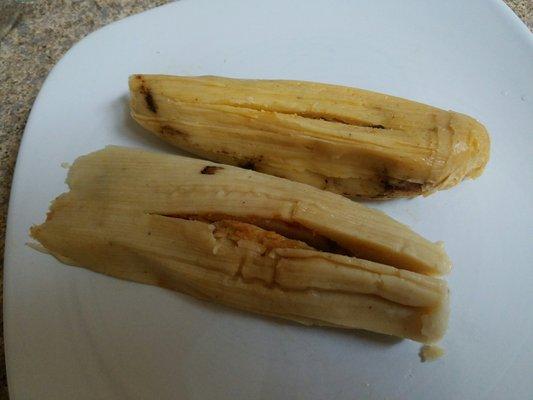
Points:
[[251, 163], [148, 98], [170, 131], [248, 165], [398, 185], [211, 170]]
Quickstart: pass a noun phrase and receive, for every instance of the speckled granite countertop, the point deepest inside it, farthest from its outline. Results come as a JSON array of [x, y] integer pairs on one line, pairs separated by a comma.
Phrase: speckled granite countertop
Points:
[[44, 31]]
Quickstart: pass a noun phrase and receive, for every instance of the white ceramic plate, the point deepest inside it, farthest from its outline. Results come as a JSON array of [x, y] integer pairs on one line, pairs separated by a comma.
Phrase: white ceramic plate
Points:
[[72, 334]]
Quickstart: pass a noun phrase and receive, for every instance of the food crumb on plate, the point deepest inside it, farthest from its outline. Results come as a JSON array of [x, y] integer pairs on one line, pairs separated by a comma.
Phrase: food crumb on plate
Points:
[[430, 353]]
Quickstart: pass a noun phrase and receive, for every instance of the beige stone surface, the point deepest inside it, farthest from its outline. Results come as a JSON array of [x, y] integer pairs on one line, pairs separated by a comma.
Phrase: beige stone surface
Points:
[[43, 32]]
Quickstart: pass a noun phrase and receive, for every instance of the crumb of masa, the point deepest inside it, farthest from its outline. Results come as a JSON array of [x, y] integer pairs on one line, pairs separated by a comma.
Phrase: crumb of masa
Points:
[[430, 353]]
